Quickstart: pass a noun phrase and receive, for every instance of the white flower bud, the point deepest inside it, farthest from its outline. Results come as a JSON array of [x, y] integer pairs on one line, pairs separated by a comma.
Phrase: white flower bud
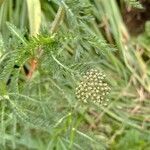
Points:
[[93, 87]]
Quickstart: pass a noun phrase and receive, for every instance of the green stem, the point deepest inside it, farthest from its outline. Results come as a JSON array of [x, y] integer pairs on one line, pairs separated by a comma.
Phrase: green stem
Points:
[[58, 18]]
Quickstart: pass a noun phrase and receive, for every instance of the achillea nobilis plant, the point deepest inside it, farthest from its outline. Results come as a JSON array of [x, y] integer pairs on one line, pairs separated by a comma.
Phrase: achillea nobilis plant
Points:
[[93, 88]]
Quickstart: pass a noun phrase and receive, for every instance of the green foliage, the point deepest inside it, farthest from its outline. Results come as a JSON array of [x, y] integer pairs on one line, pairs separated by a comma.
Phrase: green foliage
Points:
[[144, 38], [42, 111], [134, 3], [133, 140]]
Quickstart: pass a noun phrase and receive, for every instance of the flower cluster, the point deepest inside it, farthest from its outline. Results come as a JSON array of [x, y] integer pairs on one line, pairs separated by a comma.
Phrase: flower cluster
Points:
[[93, 88]]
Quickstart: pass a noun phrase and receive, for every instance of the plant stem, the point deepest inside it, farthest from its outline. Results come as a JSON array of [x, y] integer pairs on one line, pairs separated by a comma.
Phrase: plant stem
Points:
[[59, 17]]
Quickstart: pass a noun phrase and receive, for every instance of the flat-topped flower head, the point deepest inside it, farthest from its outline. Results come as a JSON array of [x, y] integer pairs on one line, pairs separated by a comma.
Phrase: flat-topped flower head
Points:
[[93, 88]]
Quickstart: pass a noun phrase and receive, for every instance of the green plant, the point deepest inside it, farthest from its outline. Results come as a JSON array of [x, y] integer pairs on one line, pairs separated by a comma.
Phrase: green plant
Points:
[[40, 109]]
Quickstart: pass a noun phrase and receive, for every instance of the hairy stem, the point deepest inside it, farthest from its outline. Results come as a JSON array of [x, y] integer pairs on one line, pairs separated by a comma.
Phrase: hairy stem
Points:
[[58, 18]]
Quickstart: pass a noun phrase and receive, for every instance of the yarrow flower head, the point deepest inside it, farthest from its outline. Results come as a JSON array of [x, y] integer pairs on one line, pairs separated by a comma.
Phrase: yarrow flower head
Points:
[[93, 87]]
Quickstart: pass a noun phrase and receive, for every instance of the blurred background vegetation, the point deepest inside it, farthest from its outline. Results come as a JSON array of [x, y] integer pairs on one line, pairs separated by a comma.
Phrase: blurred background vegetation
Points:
[[45, 46]]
